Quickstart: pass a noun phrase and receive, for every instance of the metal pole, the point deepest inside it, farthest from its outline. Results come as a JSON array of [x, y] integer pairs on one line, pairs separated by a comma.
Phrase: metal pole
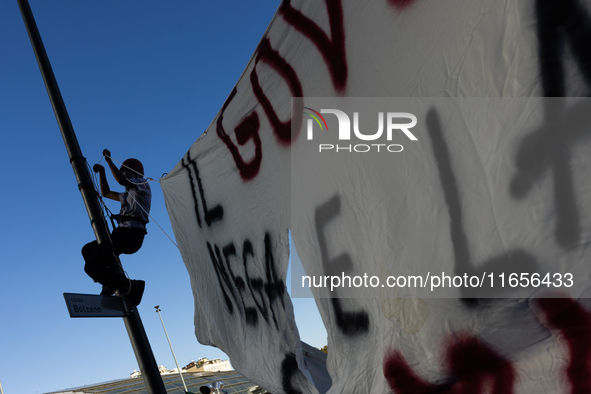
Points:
[[2, 391], [63, 119], [133, 323], [170, 344]]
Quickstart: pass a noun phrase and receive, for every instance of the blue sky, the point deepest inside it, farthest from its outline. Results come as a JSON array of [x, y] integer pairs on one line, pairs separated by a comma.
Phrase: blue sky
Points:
[[143, 79]]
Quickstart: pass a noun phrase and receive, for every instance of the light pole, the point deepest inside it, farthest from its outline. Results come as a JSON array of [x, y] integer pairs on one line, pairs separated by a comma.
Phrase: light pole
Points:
[[169, 344]]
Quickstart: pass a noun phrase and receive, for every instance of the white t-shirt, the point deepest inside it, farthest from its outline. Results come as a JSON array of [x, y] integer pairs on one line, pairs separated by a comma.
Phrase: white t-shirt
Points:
[[136, 203]]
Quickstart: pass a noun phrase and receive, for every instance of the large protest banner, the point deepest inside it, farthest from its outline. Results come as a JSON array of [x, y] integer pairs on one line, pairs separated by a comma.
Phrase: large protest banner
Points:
[[471, 174]]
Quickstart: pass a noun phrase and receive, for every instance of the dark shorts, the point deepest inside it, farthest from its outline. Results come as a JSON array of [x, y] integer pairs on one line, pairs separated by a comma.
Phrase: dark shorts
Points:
[[102, 260]]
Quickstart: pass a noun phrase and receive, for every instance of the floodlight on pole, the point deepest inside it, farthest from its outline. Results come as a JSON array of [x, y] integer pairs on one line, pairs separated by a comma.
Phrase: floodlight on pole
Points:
[[169, 344]]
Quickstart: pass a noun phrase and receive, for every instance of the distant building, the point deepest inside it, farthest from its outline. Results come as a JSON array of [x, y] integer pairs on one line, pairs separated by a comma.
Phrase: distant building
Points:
[[205, 365], [201, 365]]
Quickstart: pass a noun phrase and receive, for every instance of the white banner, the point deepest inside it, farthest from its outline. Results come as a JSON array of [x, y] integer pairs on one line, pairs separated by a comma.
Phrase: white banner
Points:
[[490, 194]]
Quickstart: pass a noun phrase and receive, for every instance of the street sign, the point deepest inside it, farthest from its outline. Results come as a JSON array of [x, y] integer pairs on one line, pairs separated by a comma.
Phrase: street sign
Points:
[[90, 305]]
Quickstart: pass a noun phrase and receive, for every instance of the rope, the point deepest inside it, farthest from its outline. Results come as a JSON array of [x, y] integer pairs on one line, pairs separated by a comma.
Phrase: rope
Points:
[[146, 212], [131, 169], [103, 209]]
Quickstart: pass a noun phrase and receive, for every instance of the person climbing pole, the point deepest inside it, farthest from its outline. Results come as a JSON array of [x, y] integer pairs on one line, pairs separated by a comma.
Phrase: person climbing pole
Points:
[[102, 260]]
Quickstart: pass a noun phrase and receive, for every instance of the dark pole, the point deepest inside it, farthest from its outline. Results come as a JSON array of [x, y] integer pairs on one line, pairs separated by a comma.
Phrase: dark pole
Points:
[[133, 322]]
